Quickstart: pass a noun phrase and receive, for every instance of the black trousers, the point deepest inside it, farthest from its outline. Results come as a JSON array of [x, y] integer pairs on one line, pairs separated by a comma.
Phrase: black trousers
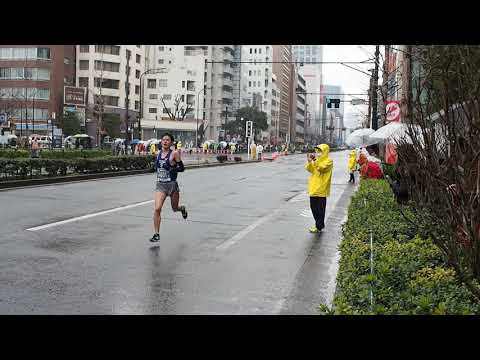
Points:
[[318, 205], [352, 177]]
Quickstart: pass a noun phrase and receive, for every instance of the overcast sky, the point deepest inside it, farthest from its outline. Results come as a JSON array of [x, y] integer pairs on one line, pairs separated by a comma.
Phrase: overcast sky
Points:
[[350, 80]]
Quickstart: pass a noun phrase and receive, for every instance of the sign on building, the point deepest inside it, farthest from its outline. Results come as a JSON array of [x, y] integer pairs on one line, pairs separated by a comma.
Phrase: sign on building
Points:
[[74, 95], [393, 110]]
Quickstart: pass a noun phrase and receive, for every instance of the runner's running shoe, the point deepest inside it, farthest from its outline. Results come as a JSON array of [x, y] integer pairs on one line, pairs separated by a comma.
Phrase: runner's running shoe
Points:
[[155, 238], [184, 211]]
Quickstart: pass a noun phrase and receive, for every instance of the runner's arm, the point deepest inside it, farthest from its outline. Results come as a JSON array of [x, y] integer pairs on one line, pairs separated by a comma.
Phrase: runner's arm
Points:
[[178, 160]]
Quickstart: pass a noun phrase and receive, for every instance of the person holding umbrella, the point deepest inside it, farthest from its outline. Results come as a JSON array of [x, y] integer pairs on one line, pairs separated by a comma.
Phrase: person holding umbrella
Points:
[[168, 164]]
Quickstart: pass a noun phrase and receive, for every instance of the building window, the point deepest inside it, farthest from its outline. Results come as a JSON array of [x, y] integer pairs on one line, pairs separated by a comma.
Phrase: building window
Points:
[[139, 46], [161, 48], [167, 97], [153, 96], [152, 110], [108, 49], [259, 51], [182, 98], [183, 84], [258, 83], [107, 100], [255, 51], [83, 82], [137, 74], [152, 83], [161, 61], [137, 104], [84, 48], [107, 66], [254, 84], [137, 89], [249, 84], [106, 83], [163, 83], [83, 64], [137, 59], [43, 53], [249, 72]]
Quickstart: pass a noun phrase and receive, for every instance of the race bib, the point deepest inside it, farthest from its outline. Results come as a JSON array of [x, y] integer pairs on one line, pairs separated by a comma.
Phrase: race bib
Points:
[[163, 175]]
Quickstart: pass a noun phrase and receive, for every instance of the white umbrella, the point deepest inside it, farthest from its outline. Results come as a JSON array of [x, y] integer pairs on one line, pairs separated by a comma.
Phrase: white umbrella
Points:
[[81, 136], [361, 137], [393, 131]]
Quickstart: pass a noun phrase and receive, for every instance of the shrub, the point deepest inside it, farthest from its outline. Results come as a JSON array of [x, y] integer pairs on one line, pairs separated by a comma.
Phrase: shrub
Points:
[[25, 168], [410, 273]]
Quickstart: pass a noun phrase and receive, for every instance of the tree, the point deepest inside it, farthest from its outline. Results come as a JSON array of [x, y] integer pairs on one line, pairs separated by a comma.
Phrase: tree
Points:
[[111, 124], [439, 162], [70, 123], [180, 108], [248, 113]]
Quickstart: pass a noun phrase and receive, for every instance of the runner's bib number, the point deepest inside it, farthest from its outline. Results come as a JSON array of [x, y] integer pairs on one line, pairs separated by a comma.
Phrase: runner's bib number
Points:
[[163, 175]]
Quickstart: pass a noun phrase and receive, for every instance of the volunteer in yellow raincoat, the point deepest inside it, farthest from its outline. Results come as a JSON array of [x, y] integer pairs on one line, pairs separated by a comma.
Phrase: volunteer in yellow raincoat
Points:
[[320, 167], [352, 164]]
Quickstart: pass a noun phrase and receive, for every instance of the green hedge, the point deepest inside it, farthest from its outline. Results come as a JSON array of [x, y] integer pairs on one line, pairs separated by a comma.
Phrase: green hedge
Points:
[[11, 169], [409, 273], [56, 154]]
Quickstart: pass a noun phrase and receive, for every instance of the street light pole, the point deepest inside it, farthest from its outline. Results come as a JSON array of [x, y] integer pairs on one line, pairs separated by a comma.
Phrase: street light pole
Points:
[[198, 108]]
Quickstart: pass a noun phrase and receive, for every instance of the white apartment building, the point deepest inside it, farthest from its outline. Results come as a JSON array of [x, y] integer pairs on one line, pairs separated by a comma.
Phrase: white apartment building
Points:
[[173, 93], [187, 73], [103, 71], [256, 80]]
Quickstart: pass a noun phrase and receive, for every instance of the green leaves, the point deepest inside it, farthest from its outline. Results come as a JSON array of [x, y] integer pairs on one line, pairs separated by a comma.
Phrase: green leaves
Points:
[[410, 275], [11, 169]]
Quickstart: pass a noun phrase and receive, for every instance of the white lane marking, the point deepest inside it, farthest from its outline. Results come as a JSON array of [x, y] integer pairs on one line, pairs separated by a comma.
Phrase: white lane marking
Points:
[[306, 213], [240, 235], [83, 217]]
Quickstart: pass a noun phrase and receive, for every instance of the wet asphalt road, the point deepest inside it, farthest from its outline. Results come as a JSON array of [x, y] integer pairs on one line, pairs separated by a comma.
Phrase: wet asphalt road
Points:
[[244, 249]]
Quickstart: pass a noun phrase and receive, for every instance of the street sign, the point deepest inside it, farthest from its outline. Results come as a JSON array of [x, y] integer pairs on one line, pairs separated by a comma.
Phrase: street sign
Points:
[[249, 129], [393, 110]]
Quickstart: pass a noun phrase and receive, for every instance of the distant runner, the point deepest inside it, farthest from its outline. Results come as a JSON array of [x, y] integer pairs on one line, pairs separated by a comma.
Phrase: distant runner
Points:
[[167, 165]]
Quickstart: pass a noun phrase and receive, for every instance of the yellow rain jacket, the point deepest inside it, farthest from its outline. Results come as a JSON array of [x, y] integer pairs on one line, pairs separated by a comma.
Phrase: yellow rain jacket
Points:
[[352, 160], [321, 174]]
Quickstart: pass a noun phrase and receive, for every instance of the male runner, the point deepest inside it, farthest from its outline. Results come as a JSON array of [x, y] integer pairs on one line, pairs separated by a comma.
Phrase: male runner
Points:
[[167, 165]]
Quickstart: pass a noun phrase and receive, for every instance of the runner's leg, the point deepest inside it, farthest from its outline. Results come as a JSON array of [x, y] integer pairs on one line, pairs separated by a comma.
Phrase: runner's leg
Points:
[[174, 199], [159, 200]]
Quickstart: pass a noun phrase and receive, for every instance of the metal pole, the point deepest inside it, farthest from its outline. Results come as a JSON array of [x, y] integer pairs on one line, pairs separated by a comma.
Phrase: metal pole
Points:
[[375, 92], [140, 107]]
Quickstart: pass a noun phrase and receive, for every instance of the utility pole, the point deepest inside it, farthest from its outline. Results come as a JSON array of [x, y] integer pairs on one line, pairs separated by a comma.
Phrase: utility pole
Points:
[[374, 90], [385, 74], [127, 96], [370, 97]]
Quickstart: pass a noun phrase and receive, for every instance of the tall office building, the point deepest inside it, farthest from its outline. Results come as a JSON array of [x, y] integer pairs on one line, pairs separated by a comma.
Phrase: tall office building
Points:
[[312, 73], [283, 70]]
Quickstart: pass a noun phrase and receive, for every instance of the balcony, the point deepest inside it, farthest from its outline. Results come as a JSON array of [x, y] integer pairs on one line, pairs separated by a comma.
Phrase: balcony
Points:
[[227, 95], [227, 69]]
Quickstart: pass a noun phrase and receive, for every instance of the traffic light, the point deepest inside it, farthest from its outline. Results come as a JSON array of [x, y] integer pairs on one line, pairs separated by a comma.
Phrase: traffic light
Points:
[[336, 102]]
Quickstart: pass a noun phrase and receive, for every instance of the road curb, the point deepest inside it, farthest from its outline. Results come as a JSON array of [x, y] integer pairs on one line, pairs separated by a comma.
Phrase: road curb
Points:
[[62, 179]]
